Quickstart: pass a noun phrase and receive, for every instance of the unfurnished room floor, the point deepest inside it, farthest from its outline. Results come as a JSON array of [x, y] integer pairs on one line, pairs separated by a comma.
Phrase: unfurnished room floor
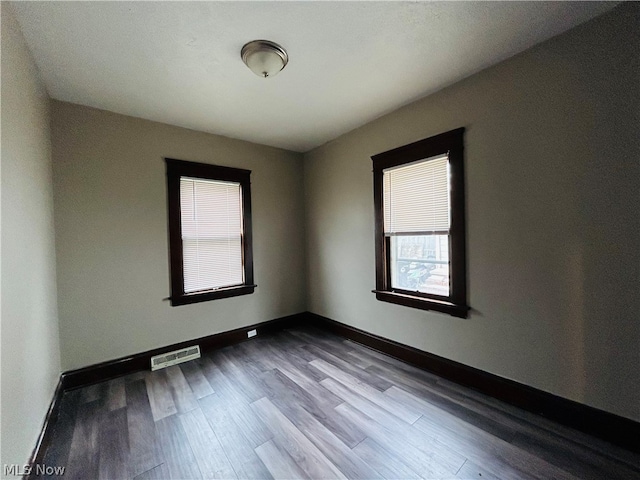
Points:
[[304, 403]]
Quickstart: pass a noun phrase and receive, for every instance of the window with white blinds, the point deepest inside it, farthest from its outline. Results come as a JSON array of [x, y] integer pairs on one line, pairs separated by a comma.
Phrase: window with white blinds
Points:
[[210, 241], [416, 197], [420, 239], [211, 213]]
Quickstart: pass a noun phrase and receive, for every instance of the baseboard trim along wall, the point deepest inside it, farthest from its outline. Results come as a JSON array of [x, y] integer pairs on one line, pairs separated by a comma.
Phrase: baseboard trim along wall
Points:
[[142, 361], [607, 426]]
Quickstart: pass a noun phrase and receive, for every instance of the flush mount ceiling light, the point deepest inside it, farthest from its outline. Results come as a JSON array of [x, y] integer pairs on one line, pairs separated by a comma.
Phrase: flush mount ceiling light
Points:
[[264, 58]]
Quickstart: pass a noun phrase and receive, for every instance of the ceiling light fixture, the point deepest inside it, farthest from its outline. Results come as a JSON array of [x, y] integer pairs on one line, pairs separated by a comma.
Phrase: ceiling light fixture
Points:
[[264, 58]]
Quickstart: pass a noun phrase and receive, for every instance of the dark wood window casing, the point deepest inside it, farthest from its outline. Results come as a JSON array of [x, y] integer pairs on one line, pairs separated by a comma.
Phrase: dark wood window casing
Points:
[[451, 144], [176, 169]]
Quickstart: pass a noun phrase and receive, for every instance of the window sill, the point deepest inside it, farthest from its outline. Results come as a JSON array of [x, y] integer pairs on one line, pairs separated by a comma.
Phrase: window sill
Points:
[[212, 295], [453, 309]]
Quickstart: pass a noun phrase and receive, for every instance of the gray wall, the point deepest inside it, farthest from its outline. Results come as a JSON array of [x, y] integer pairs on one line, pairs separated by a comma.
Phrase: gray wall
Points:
[[30, 345], [111, 234], [552, 173]]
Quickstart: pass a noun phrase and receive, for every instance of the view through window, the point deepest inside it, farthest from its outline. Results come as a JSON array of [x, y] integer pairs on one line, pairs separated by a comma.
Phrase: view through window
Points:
[[420, 224], [420, 263]]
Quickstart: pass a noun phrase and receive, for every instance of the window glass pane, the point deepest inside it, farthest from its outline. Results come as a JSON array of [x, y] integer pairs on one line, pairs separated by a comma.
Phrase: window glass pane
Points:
[[420, 263]]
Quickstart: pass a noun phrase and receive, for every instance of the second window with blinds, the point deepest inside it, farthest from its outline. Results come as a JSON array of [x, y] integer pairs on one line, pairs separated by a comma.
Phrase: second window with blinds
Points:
[[209, 231], [420, 225]]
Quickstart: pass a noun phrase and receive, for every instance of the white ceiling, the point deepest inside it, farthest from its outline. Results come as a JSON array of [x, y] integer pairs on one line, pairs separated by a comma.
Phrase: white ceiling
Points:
[[350, 62]]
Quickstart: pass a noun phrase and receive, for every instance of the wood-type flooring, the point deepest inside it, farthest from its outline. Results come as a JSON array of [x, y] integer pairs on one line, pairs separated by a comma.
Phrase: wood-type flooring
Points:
[[304, 403]]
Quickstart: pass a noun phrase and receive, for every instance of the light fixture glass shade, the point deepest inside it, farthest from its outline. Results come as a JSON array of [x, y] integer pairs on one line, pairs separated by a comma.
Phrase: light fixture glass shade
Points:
[[264, 58]]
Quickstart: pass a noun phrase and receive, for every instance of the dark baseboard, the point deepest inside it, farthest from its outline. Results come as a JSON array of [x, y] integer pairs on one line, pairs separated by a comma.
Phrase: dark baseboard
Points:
[[46, 435], [142, 361], [607, 426]]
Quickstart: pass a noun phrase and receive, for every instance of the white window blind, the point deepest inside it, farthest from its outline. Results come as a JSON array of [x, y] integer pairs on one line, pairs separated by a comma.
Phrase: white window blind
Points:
[[416, 197], [211, 213]]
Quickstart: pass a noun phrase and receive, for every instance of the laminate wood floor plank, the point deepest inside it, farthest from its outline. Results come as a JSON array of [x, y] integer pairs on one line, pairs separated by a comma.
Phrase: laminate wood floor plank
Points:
[[397, 446], [381, 460], [285, 342], [323, 397], [303, 353], [482, 405], [385, 361], [306, 455], [435, 412], [278, 387], [247, 361], [289, 398], [245, 419], [337, 452], [84, 451], [135, 376], [160, 398], [144, 452], [403, 411], [364, 376], [305, 403], [211, 458], [183, 397], [93, 392], [222, 385], [116, 397], [297, 358], [256, 352], [540, 427], [323, 340], [357, 360], [242, 456], [449, 404], [559, 446], [197, 381], [210, 371], [291, 338], [499, 457], [113, 443], [250, 424], [447, 459], [574, 452], [317, 336], [240, 379], [496, 413], [176, 451], [279, 462]]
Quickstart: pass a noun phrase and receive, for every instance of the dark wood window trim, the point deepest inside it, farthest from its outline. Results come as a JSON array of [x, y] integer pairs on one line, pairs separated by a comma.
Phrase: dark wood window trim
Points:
[[180, 168], [451, 143]]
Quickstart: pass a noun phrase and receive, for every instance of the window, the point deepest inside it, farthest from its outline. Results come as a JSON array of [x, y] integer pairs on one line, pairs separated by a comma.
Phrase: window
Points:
[[420, 225], [209, 232]]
